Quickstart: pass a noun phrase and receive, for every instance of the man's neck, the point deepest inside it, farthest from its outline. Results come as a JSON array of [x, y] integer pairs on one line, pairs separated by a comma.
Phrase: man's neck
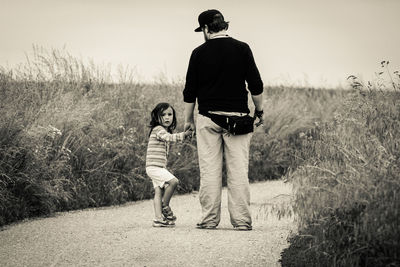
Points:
[[220, 34]]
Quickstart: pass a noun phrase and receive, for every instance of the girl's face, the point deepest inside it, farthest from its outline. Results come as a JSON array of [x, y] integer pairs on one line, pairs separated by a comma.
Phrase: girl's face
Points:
[[167, 117]]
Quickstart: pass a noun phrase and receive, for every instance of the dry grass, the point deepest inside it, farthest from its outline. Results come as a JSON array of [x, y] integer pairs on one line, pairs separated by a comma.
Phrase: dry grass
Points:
[[347, 189], [71, 137]]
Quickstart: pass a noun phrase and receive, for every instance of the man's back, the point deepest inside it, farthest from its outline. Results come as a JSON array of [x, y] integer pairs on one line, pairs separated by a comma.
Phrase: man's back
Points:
[[217, 75]]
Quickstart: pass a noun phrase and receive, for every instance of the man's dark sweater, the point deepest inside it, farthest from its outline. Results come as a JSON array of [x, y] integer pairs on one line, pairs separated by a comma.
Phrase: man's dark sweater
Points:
[[217, 75]]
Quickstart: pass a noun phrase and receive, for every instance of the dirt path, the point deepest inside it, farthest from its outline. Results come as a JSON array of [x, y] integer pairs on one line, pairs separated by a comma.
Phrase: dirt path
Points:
[[123, 236]]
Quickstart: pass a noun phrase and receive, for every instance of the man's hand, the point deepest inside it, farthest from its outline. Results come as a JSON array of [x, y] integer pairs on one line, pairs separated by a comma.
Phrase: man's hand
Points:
[[190, 126], [258, 113], [189, 119], [188, 133], [260, 116]]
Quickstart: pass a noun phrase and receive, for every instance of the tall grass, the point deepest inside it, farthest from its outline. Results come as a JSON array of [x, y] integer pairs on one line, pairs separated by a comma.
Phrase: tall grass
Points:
[[346, 196], [290, 114], [72, 136]]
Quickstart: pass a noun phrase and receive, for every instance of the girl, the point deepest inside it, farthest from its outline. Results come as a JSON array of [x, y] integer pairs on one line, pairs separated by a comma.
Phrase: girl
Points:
[[163, 122]]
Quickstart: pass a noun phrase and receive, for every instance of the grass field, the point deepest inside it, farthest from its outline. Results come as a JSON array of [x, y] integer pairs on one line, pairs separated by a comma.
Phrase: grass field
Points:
[[71, 138]]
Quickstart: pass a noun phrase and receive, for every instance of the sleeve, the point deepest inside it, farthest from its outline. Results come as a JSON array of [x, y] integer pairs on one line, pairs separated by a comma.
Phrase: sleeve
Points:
[[190, 90], [253, 77], [163, 135]]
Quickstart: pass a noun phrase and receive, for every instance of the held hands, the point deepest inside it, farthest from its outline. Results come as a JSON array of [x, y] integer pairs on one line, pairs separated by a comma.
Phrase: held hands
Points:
[[189, 129], [188, 133], [259, 115]]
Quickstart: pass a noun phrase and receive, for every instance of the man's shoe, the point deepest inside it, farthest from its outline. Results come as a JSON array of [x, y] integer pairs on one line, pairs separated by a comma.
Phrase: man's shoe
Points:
[[243, 228], [203, 226]]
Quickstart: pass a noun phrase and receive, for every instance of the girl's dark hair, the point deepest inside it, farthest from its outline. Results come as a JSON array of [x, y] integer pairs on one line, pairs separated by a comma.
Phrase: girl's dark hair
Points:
[[156, 117], [218, 24]]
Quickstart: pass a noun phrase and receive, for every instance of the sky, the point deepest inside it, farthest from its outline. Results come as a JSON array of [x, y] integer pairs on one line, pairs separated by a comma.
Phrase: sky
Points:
[[316, 43]]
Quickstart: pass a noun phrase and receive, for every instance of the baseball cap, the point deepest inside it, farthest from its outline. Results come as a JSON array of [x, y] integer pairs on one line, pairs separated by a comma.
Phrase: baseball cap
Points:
[[207, 17]]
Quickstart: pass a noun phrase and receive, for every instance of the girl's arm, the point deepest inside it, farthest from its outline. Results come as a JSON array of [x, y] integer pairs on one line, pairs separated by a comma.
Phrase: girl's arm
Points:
[[163, 135]]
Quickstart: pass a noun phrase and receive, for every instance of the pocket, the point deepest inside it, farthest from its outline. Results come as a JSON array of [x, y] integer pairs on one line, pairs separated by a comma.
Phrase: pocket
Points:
[[208, 124], [201, 121]]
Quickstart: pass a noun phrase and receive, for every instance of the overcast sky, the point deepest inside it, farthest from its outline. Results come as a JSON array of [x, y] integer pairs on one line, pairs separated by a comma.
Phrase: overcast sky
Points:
[[303, 42]]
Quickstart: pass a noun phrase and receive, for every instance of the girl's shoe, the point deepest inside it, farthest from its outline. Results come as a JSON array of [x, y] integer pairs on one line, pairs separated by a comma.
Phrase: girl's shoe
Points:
[[162, 223], [168, 214]]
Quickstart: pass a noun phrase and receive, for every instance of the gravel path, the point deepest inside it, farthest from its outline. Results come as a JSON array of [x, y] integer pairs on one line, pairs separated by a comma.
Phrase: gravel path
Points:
[[123, 236]]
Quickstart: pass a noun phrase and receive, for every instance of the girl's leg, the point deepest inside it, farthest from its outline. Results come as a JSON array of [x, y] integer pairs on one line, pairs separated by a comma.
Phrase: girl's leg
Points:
[[169, 191], [158, 202]]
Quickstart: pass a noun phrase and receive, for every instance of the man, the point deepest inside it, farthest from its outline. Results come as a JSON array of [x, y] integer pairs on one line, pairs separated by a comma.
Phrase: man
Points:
[[217, 74]]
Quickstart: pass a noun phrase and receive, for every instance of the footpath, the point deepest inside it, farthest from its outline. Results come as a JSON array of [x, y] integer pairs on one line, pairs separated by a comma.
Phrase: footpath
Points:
[[124, 236]]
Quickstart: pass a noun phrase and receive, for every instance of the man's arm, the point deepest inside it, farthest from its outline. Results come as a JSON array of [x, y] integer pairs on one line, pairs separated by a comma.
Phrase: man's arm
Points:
[[259, 112], [189, 116], [190, 95], [253, 78], [258, 101]]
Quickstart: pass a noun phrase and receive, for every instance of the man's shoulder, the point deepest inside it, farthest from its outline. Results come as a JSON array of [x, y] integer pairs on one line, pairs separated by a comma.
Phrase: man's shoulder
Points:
[[199, 48], [230, 40], [237, 41], [240, 43]]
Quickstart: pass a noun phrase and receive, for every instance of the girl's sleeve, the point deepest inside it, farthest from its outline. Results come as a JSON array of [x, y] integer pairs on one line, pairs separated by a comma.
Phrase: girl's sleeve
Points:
[[163, 135]]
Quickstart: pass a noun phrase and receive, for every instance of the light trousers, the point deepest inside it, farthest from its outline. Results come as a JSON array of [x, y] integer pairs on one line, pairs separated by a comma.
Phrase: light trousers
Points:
[[214, 144]]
